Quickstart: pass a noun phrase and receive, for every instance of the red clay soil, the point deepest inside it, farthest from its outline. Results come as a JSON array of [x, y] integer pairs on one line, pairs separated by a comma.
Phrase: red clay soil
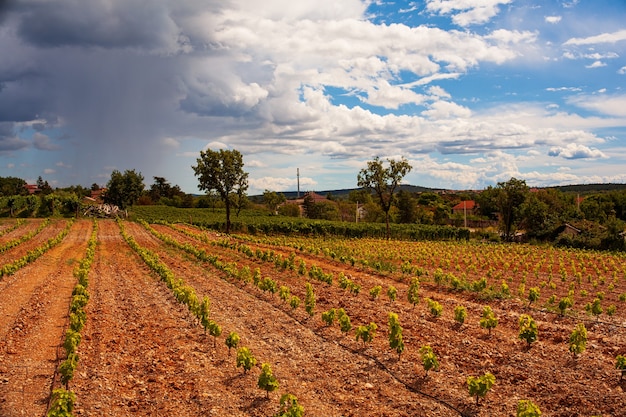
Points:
[[143, 354], [33, 315]]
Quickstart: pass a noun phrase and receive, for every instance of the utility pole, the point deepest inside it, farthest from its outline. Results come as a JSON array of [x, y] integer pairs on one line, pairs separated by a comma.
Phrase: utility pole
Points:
[[298, 174]]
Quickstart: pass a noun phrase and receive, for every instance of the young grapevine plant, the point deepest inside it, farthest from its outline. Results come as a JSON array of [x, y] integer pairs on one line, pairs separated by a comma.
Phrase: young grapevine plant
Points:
[[526, 408], [489, 319], [232, 341], [435, 308], [329, 316], [460, 314], [533, 295], [267, 381], [309, 301], [344, 321], [366, 332], [289, 407], [395, 334], [578, 340], [528, 329], [62, 403], [479, 386], [245, 359], [429, 359], [215, 330], [375, 292], [392, 293], [413, 292], [620, 364]]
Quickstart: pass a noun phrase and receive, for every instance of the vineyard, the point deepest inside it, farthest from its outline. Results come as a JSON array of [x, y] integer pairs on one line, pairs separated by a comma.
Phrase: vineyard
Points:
[[116, 318]]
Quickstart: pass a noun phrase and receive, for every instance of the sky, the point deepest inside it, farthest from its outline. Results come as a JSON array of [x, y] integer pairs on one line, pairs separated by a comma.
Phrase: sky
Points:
[[470, 92]]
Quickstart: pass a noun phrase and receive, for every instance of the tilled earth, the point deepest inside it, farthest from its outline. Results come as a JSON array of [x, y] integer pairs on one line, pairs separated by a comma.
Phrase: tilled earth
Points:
[[143, 354]]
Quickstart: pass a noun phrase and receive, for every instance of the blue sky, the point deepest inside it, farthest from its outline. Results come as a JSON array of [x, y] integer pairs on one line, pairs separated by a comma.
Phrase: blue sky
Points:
[[471, 92]]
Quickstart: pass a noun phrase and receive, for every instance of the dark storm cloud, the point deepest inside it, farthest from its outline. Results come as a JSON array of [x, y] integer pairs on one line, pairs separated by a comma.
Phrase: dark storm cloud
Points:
[[133, 23], [8, 140]]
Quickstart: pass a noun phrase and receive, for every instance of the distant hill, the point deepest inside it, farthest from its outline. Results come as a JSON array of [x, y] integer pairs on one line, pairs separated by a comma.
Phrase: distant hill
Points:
[[575, 188], [589, 188]]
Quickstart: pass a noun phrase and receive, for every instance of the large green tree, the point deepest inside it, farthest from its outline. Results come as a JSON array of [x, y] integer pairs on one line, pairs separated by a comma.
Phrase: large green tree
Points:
[[222, 171], [509, 197], [123, 190], [383, 181]]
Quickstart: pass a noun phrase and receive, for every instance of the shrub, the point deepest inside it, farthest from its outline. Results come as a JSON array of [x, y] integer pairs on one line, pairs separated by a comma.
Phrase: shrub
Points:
[[344, 321], [480, 386]]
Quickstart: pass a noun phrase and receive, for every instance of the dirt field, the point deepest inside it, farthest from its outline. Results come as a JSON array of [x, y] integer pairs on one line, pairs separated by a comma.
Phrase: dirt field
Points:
[[143, 354]]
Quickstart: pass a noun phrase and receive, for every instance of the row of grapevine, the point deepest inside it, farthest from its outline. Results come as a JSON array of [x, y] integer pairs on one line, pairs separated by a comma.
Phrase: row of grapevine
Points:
[[186, 294], [63, 399], [14, 242], [32, 255], [527, 327], [17, 224]]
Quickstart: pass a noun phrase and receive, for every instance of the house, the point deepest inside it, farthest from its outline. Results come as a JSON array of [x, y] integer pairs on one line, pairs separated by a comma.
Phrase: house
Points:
[[468, 207], [98, 195], [32, 189], [570, 230]]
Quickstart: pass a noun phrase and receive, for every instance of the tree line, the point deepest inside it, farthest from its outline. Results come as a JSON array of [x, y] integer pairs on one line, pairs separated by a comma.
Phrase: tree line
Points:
[[516, 211]]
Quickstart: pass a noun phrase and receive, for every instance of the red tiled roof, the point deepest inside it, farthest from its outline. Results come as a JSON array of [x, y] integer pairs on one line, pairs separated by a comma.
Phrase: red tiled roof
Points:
[[465, 205]]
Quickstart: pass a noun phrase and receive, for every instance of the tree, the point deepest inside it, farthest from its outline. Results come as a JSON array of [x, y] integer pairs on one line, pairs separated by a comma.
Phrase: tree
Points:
[[507, 198], [123, 190], [407, 207], [383, 181], [222, 171], [273, 200]]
